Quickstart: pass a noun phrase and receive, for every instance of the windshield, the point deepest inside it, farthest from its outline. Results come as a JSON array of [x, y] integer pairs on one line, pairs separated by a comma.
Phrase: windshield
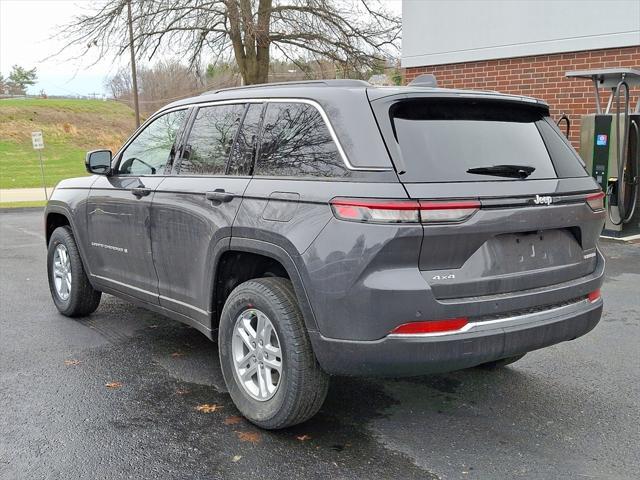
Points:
[[458, 140]]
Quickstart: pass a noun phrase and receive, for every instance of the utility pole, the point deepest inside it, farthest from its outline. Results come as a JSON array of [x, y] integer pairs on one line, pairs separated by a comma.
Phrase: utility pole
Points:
[[134, 76]]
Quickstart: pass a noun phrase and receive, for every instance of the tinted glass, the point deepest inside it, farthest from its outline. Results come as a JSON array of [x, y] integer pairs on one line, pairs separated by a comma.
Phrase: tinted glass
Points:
[[149, 152], [244, 149], [441, 140], [565, 159], [296, 142], [209, 144]]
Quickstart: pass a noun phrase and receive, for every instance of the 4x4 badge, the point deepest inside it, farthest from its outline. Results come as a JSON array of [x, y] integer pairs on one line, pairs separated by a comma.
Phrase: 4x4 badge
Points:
[[546, 200]]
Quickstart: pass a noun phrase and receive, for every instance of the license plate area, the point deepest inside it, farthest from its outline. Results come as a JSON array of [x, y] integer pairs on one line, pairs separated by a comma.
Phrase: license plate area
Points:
[[529, 249], [514, 261]]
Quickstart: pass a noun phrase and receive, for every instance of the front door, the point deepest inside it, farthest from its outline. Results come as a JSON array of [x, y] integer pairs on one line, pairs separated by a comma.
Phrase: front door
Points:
[[194, 208], [118, 213]]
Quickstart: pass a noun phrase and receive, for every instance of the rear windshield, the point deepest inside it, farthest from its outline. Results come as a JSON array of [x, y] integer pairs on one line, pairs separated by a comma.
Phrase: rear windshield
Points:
[[445, 140]]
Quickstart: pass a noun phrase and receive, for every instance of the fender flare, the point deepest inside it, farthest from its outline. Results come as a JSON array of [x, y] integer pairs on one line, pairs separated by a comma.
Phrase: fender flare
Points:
[[62, 210], [277, 253]]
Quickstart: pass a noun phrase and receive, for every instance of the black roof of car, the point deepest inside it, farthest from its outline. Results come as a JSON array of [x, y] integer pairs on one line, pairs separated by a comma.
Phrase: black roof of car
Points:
[[321, 89]]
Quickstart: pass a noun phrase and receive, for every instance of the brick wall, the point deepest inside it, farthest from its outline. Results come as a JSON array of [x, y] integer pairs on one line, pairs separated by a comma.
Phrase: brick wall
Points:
[[541, 76]]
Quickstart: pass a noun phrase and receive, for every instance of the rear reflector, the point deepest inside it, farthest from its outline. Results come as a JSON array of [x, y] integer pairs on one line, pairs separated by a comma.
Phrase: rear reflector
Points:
[[433, 326], [596, 201], [403, 211], [593, 296]]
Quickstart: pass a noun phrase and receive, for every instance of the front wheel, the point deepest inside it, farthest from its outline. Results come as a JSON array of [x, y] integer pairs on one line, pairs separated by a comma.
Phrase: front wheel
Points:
[[268, 365], [71, 291]]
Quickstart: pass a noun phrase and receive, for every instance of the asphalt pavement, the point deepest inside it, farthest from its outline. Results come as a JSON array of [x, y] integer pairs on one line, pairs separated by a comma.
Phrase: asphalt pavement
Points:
[[568, 411]]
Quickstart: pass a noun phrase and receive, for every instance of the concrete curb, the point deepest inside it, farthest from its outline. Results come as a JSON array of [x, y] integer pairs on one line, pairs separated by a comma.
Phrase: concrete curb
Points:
[[20, 209], [631, 239]]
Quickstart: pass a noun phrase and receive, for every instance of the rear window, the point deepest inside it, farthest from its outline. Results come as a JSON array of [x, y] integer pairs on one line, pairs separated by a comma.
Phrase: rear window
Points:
[[442, 140]]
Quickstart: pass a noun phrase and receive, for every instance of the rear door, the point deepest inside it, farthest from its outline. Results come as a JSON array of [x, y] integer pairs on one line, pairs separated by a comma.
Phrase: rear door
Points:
[[194, 209], [524, 221]]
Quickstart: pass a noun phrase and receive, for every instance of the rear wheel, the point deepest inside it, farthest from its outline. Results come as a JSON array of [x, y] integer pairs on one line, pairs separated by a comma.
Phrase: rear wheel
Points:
[[269, 367], [503, 362], [71, 291]]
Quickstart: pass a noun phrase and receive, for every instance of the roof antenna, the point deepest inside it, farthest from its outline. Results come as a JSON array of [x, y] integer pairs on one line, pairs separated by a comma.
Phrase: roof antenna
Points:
[[424, 80]]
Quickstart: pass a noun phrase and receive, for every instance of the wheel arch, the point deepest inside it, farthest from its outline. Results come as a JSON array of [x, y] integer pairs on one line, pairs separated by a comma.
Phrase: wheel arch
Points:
[[58, 216], [277, 257], [55, 218]]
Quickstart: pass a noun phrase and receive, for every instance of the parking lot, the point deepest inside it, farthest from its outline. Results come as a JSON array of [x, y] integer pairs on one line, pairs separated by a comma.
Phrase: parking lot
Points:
[[126, 393]]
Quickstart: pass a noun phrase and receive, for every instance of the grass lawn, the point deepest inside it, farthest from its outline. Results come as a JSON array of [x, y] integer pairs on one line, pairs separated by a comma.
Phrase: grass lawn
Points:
[[23, 204], [70, 127], [20, 167]]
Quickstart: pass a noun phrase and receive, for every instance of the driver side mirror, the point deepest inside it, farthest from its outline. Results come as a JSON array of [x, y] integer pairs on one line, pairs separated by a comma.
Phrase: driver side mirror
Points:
[[98, 162]]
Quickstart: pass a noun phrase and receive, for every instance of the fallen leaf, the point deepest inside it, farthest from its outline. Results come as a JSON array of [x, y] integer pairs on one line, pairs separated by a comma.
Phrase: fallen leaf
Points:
[[236, 458], [252, 437], [113, 384], [182, 391], [177, 354], [71, 362], [232, 420], [208, 408], [303, 438]]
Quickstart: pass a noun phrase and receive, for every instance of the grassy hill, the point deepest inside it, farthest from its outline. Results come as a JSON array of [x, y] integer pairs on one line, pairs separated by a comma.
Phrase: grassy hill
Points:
[[70, 128]]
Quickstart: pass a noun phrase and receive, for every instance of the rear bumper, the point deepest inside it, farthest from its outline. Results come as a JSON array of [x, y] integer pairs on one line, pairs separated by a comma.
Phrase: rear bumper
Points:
[[417, 355]]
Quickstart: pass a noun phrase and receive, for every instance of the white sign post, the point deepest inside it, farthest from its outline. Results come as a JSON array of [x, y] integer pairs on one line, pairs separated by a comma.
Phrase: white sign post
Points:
[[38, 144]]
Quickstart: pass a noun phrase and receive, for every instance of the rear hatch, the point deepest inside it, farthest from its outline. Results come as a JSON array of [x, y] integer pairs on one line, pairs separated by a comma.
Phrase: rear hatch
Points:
[[530, 215]]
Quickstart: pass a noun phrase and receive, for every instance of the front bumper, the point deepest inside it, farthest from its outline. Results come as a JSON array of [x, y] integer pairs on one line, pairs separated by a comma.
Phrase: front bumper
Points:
[[418, 355]]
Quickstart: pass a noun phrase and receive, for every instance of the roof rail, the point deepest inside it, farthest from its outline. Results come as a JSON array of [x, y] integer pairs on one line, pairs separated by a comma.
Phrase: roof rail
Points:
[[316, 83]]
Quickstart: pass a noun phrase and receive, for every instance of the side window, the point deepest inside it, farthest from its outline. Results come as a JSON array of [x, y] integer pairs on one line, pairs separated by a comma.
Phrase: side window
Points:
[[149, 152], [209, 144], [296, 143], [244, 150]]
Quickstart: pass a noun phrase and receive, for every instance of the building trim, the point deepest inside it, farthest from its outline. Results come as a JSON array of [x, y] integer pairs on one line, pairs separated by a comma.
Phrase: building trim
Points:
[[565, 45]]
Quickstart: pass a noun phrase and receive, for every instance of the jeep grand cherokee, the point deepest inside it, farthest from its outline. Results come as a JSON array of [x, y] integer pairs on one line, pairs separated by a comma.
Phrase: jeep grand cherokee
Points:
[[335, 228]]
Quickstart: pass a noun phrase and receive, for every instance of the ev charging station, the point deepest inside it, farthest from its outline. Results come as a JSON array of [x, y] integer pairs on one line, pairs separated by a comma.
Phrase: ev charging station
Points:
[[610, 147]]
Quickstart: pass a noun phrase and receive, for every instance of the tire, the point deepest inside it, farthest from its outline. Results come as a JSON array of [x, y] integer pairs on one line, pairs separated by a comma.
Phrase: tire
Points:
[[503, 362], [301, 384], [81, 299]]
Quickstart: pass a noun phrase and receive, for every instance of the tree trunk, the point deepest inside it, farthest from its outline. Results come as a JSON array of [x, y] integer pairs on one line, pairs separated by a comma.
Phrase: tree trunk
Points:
[[251, 49], [262, 41]]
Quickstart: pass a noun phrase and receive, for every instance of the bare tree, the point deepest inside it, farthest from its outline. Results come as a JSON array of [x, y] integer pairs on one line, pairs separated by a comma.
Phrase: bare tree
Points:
[[167, 81], [353, 34]]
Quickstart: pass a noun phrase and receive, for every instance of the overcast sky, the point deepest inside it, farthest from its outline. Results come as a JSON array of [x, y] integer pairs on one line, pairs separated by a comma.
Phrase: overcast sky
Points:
[[26, 27]]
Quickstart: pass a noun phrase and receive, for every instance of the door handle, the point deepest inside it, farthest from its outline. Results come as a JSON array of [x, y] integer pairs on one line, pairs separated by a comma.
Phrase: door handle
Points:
[[140, 192], [219, 195]]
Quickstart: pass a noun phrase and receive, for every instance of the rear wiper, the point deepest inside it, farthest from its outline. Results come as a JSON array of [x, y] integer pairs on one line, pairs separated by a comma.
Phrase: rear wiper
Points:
[[511, 171]]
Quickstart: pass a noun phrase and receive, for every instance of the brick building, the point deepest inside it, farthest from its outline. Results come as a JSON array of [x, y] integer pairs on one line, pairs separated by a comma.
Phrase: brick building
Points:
[[522, 47]]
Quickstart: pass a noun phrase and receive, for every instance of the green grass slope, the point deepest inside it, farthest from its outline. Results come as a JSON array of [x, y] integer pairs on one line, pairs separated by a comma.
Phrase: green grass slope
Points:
[[70, 128]]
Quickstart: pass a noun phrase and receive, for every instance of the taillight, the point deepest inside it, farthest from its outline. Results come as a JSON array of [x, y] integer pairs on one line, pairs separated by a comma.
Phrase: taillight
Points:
[[379, 211], [433, 326], [403, 211], [596, 201], [593, 296]]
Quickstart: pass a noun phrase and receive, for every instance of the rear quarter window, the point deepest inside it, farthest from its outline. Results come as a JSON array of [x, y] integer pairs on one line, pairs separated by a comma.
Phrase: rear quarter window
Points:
[[296, 142], [442, 139]]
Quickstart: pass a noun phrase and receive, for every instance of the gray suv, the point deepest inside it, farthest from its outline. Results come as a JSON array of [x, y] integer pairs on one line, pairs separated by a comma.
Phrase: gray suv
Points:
[[335, 228]]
